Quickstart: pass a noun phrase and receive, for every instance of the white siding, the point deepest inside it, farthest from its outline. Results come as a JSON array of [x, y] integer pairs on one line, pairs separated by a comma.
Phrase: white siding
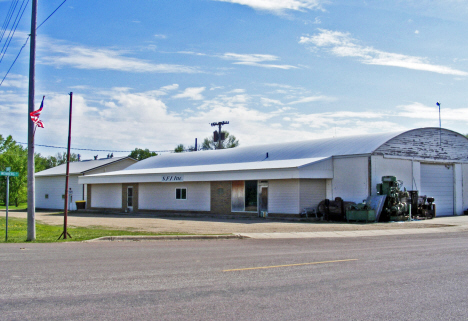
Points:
[[350, 178], [283, 196], [106, 195], [458, 177], [161, 196], [465, 186], [312, 191], [402, 169], [54, 187], [437, 181]]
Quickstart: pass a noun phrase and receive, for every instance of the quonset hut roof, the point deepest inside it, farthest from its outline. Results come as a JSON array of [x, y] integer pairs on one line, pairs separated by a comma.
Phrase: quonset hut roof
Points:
[[288, 160], [278, 153]]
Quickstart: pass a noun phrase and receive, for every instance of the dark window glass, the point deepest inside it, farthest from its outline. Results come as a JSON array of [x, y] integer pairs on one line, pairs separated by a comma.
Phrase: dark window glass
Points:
[[251, 196], [181, 193]]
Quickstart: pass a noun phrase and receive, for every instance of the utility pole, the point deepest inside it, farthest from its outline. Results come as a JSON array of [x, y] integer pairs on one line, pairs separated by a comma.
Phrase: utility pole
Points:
[[219, 136], [31, 183]]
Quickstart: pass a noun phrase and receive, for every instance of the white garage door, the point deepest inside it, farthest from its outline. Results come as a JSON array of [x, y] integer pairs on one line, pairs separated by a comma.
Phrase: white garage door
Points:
[[437, 182]]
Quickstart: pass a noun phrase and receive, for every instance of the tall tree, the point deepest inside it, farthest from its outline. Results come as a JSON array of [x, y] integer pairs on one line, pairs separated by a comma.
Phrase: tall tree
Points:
[[15, 156], [230, 141], [140, 154]]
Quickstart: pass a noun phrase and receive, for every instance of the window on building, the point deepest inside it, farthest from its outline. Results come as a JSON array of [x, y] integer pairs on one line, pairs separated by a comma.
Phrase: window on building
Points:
[[46, 196], [181, 194], [63, 196]]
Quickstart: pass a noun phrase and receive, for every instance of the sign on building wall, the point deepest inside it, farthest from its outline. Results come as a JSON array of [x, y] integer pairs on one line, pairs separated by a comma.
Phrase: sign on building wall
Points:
[[172, 178]]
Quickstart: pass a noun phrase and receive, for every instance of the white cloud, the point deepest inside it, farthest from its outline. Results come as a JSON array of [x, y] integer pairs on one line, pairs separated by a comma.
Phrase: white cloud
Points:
[[343, 45], [278, 6], [312, 99], [81, 57], [420, 111], [193, 93], [16, 81], [160, 36], [257, 60]]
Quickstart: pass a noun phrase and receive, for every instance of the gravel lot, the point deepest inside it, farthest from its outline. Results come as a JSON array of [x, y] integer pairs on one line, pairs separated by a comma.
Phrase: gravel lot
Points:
[[213, 225]]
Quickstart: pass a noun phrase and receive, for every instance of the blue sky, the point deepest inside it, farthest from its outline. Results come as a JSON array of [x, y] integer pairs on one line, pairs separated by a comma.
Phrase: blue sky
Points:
[[154, 74]]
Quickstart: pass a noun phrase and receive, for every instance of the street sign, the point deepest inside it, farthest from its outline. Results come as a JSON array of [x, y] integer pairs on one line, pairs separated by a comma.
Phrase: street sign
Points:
[[16, 174]]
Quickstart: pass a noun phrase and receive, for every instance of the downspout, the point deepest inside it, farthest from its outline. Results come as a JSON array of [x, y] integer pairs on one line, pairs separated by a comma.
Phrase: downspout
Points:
[[369, 176]]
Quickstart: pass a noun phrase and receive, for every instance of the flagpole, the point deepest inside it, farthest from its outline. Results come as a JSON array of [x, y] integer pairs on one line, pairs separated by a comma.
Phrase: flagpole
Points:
[[65, 213], [31, 235], [440, 126]]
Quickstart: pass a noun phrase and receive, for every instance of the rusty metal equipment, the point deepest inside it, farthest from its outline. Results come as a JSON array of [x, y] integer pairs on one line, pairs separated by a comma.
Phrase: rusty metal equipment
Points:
[[335, 210], [402, 205]]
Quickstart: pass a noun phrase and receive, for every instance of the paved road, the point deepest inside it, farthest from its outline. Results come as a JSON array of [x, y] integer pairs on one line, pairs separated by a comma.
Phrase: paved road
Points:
[[408, 277]]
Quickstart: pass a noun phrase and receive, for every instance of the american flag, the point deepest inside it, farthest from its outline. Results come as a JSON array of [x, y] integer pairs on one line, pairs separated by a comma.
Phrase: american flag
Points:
[[35, 115]]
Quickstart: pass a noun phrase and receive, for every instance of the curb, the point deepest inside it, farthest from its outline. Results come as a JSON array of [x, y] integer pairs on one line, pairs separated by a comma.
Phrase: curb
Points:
[[167, 237]]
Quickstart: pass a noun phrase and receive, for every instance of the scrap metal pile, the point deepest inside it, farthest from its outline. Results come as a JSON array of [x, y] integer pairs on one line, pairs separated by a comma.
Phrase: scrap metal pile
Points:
[[390, 204]]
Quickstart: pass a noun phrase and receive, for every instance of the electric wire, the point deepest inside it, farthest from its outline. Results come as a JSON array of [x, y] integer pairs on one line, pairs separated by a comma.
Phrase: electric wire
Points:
[[11, 10], [28, 36], [98, 150], [15, 60], [51, 14], [12, 31]]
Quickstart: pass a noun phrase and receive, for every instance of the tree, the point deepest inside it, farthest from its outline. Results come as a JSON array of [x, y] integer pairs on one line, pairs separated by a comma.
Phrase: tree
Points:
[[59, 159], [140, 154], [179, 149], [15, 156], [229, 142]]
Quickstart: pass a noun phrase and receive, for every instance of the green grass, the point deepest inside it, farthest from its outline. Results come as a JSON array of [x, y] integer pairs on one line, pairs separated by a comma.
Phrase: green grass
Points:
[[17, 232], [11, 207]]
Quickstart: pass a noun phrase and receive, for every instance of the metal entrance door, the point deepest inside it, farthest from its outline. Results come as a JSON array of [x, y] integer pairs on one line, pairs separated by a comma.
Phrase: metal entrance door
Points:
[[130, 198], [438, 181]]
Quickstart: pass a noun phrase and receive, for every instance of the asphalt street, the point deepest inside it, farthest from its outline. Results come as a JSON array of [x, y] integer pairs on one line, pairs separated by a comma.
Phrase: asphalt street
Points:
[[404, 277]]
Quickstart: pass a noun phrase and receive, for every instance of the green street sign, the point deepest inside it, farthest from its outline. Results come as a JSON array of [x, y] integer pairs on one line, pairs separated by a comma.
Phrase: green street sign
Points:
[[16, 174]]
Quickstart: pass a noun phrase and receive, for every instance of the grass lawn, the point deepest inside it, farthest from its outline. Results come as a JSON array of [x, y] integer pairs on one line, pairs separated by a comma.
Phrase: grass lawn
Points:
[[21, 206], [17, 232]]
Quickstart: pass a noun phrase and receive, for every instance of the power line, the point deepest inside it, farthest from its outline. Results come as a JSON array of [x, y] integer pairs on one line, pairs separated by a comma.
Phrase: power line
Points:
[[11, 10], [98, 150], [14, 60], [51, 14], [26, 38], [12, 31]]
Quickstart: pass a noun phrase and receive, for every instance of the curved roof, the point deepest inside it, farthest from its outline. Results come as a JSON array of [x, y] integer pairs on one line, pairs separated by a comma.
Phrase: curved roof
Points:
[[317, 149]]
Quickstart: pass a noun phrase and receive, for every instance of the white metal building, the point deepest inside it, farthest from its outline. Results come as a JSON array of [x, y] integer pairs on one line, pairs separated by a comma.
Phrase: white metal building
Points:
[[50, 183], [284, 178]]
